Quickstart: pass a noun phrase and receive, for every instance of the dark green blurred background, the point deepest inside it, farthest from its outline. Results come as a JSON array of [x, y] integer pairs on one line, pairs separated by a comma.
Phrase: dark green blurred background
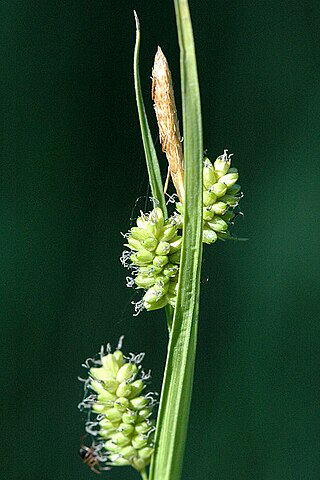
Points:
[[72, 168]]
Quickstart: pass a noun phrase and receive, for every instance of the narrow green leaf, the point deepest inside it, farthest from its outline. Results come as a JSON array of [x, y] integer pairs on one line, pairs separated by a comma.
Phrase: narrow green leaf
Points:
[[178, 379], [148, 145]]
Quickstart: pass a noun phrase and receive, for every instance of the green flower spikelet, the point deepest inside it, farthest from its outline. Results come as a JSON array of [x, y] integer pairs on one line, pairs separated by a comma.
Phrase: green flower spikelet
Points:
[[123, 427], [221, 194], [156, 247]]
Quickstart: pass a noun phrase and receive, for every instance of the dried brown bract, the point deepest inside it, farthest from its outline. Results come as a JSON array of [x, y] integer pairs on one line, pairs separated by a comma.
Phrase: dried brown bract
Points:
[[166, 112]]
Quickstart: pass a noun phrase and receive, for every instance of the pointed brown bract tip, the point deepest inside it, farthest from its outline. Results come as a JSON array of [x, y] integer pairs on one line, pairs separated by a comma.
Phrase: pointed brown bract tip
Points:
[[166, 113]]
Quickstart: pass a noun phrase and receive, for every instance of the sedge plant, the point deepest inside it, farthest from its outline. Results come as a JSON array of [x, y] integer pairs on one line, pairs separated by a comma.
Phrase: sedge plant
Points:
[[163, 254]]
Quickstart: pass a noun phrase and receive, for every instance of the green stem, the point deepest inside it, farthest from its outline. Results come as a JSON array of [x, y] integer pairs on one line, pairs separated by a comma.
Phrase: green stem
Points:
[[176, 393], [144, 475]]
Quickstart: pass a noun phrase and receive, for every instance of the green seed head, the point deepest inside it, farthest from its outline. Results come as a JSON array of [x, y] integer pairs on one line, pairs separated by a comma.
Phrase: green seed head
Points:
[[120, 421], [220, 198], [154, 255]]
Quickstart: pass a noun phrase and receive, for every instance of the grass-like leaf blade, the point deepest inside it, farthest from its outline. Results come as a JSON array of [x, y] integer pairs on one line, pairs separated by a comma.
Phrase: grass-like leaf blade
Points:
[[148, 145], [178, 379], [153, 168]]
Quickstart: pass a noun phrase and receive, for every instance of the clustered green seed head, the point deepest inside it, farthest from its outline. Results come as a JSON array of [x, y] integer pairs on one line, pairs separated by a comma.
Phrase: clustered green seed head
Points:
[[123, 411], [220, 197], [156, 246]]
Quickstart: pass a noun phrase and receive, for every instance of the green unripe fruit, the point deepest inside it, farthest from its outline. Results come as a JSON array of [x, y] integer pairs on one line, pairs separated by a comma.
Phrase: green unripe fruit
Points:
[[208, 197], [100, 408], [230, 200], [113, 415], [218, 224], [175, 246], [134, 244], [162, 280], [209, 236], [121, 404], [100, 373], [139, 233], [230, 179], [144, 414], [110, 446], [222, 165], [139, 464], [142, 428], [127, 372], [219, 208], [107, 432], [118, 356], [128, 452], [160, 261], [110, 385], [219, 189], [121, 440], [142, 223], [126, 429], [139, 442], [146, 453], [162, 302], [124, 390], [209, 176], [156, 217], [154, 294], [136, 388], [208, 214], [99, 388], [143, 281], [106, 424], [170, 270], [116, 460], [163, 248], [142, 257], [149, 244], [150, 270], [110, 363], [139, 403], [129, 417], [155, 222], [168, 232]]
